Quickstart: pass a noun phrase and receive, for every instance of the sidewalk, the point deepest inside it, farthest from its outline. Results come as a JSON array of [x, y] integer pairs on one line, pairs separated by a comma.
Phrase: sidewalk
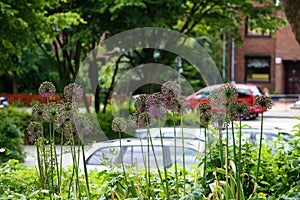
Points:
[[282, 110]]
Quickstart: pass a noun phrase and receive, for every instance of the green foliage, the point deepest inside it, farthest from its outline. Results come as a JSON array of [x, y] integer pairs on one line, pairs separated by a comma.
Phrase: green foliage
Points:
[[19, 118], [11, 140]]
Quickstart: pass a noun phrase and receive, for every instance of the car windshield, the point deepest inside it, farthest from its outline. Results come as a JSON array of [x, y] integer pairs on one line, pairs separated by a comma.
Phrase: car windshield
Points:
[[256, 91], [204, 94], [137, 155]]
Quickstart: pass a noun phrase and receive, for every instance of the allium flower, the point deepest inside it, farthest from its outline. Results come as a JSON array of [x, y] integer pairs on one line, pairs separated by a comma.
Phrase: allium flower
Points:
[[224, 95], [72, 92], [178, 105], [47, 89], [239, 109], [119, 124], [231, 93], [50, 113], [155, 105], [83, 124], [217, 97], [34, 131], [140, 103], [140, 120], [263, 102], [204, 107], [37, 112], [170, 89]]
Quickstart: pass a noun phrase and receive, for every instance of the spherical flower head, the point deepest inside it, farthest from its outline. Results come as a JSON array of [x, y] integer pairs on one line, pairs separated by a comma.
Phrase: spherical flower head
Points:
[[47, 89], [140, 103], [119, 124], [34, 131], [205, 118], [72, 92], [263, 102], [37, 112], [239, 109], [140, 120], [231, 93], [217, 98], [50, 113], [155, 105], [170, 89], [204, 107], [82, 123]]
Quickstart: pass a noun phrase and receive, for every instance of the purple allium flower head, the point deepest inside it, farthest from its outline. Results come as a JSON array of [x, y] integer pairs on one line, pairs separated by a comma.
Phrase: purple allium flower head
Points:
[[204, 109], [50, 113], [140, 120], [170, 89], [72, 92], [140, 103], [263, 102], [82, 123], [34, 131], [155, 105], [231, 93], [47, 89], [119, 124], [239, 109], [37, 112]]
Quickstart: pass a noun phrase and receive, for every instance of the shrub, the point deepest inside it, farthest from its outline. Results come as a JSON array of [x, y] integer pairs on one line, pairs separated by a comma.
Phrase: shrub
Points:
[[11, 140], [20, 118]]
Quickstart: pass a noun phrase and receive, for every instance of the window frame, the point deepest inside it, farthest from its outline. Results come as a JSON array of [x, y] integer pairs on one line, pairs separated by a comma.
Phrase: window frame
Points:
[[268, 58]]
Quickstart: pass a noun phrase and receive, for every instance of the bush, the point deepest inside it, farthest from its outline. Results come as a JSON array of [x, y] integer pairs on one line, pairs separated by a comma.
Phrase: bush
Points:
[[11, 140], [20, 118]]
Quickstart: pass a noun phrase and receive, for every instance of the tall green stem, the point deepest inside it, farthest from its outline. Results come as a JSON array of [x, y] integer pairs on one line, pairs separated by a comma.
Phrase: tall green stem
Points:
[[85, 169], [226, 165], [260, 143], [221, 148], [235, 161], [164, 160], [183, 156], [175, 156], [205, 147]]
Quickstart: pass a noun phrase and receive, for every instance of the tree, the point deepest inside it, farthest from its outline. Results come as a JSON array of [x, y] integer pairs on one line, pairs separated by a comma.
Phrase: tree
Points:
[[291, 8]]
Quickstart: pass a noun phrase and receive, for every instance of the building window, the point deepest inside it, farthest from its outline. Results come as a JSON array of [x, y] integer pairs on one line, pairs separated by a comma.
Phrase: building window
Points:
[[257, 69], [255, 32]]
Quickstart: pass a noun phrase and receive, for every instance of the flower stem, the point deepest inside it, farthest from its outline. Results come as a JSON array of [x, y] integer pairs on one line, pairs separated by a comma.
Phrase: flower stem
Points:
[[164, 160], [259, 151], [183, 156], [175, 157]]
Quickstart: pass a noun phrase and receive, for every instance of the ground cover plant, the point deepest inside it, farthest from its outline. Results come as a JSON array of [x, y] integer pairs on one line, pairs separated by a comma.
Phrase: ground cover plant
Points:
[[226, 169]]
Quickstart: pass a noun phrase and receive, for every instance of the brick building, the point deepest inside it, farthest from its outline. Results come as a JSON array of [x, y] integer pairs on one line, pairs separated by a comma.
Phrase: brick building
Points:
[[271, 62]]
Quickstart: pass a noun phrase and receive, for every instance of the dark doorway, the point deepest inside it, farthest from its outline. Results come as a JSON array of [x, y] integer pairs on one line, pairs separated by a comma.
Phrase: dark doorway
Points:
[[292, 77]]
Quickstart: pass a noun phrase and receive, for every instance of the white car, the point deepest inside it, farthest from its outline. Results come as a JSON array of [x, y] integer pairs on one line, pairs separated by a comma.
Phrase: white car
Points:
[[107, 155]]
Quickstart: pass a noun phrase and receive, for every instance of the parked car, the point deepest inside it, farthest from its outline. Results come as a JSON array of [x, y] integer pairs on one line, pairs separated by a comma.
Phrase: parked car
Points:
[[107, 155], [246, 92], [3, 102]]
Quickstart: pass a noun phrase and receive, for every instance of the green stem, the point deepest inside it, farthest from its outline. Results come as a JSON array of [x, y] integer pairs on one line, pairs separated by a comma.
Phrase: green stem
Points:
[[85, 169], [164, 160], [40, 166], [240, 153], [175, 157], [60, 164], [260, 143], [226, 165], [121, 156], [205, 147], [221, 149], [235, 160], [183, 156]]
